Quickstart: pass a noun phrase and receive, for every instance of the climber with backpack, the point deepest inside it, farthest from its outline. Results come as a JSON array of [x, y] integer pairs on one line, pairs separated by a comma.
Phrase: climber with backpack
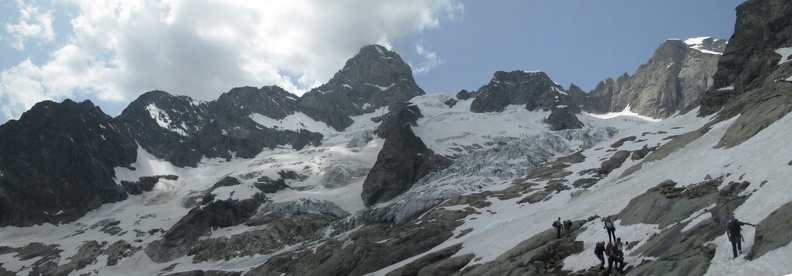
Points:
[[734, 232], [615, 255], [610, 227], [558, 226], [599, 250]]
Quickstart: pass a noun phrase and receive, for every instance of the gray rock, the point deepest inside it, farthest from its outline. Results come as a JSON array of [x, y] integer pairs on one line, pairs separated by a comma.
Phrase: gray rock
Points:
[[373, 78], [435, 263], [403, 160], [367, 249], [563, 118], [672, 80], [541, 254], [535, 90], [272, 232], [58, 163], [179, 240], [772, 232], [761, 27]]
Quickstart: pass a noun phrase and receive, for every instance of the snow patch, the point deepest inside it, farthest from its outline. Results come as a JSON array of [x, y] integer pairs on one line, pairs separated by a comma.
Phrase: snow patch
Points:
[[624, 113], [785, 53], [294, 122]]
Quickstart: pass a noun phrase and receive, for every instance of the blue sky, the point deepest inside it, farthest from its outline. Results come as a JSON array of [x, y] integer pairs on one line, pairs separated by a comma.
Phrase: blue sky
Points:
[[112, 51]]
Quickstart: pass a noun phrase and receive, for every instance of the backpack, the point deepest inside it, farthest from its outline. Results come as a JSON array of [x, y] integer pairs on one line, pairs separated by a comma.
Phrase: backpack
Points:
[[608, 224], [555, 224], [599, 248], [608, 249], [734, 227]]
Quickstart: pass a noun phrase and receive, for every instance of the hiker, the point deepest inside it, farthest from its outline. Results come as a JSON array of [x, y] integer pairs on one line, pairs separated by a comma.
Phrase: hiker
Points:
[[734, 232], [615, 255], [568, 227], [599, 251], [608, 225], [558, 226]]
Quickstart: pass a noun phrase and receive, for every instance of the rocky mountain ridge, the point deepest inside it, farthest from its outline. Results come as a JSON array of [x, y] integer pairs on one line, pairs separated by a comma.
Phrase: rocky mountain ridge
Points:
[[437, 185]]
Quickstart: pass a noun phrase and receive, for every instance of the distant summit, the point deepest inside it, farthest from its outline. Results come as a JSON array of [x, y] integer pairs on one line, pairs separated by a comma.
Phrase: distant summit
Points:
[[373, 78], [673, 80]]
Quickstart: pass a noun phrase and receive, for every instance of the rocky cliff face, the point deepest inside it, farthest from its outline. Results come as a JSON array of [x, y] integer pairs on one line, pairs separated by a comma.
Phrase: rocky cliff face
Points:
[[374, 78], [57, 163], [672, 80], [752, 79], [761, 28], [183, 131], [535, 90], [403, 160]]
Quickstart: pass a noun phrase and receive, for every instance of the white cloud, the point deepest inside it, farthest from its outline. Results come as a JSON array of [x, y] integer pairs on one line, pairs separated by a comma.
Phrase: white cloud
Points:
[[201, 48], [431, 60], [33, 24]]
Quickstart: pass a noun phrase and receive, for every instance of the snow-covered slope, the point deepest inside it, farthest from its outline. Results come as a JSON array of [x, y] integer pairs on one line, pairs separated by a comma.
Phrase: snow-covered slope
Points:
[[514, 142]]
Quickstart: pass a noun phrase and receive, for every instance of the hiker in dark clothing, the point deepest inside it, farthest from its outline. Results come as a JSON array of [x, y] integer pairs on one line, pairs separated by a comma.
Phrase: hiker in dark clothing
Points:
[[608, 225], [558, 226], [568, 227], [734, 232], [599, 251], [616, 255]]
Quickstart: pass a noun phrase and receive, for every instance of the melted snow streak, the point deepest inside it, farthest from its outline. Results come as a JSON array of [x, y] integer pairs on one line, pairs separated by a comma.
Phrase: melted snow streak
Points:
[[510, 158]]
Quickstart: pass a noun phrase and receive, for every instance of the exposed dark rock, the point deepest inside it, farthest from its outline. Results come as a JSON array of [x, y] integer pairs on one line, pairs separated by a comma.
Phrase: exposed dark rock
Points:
[[640, 154], [367, 249], [205, 273], [403, 160], [622, 140], [178, 240], [762, 26], [542, 254], [373, 78], [672, 80], [450, 102], [679, 250], [58, 163], [464, 95], [278, 231], [561, 118], [436, 263], [145, 184], [119, 250], [535, 90], [615, 161], [772, 232]]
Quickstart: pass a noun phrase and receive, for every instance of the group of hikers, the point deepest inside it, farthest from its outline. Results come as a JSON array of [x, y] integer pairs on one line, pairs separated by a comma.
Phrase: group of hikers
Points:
[[614, 249]]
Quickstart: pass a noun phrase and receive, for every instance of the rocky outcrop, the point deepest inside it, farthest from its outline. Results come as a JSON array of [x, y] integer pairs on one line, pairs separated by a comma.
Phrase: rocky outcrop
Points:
[[367, 249], [772, 232], [683, 246], [752, 80], [403, 160], [183, 131], [672, 80], [535, 90], [542, 254], [373, 78], [762, 27], [561, 118], [57, 162], [180, 239], [272, 232]]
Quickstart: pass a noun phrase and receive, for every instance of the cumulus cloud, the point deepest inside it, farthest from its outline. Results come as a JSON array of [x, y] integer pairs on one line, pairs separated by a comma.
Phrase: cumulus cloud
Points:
[[431, 60], [33, 23], [201, 48]]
